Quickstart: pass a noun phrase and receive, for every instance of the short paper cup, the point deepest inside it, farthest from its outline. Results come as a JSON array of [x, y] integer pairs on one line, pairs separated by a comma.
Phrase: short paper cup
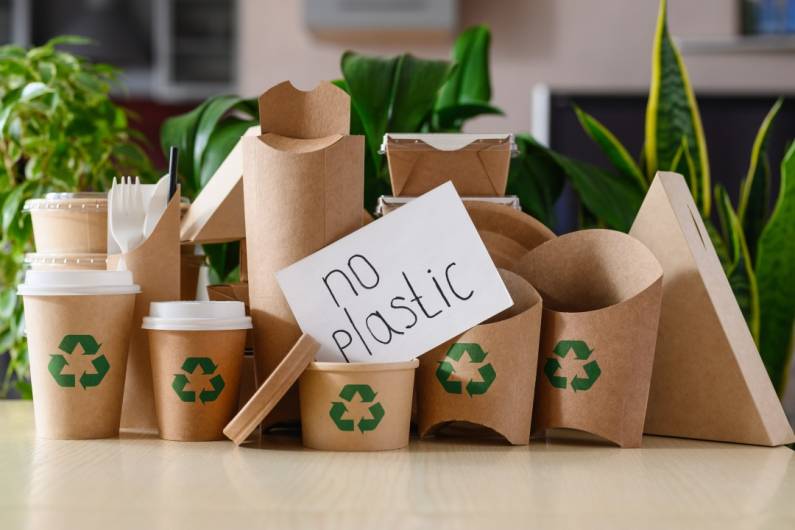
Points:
[[602, 291], [69, 223], [78, 326], [196, 351], [487, 375], [356, 406]]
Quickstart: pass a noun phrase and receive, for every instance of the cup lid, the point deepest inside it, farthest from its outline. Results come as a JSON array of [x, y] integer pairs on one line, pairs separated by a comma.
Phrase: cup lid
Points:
[[197, 316], [77, 282], [80, 201], [65, 259]]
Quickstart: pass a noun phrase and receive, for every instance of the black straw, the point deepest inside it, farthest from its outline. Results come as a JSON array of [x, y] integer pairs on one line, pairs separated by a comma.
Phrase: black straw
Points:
[[173, 156]]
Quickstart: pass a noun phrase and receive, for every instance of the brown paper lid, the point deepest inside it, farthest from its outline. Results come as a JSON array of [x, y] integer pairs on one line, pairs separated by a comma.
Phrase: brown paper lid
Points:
[[272, 390]]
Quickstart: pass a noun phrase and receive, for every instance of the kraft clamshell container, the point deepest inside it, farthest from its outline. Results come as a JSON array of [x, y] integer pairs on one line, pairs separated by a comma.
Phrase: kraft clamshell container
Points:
[[357, 406], [487, 375], [602, 292], [477, 164], [70, 223], [78, 326], [197, 356], [304, 188]]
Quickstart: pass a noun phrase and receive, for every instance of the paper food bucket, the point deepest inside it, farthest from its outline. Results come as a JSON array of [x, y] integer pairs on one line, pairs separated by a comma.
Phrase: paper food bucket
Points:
[[602, 293], [356, 406], [487, 375], [69, 223], [304, 189], [477, 164], [197, 354], [56, 262], [78, 326]]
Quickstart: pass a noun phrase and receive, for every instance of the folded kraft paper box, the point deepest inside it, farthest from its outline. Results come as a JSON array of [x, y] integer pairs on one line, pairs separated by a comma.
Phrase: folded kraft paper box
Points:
[[709, 381], [304, 188], [601, 291]]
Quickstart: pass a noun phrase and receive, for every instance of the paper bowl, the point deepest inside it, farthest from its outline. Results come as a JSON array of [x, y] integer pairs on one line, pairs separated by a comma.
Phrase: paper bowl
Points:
[[601, 291], [69, 223], [356, 406], [487, 375]]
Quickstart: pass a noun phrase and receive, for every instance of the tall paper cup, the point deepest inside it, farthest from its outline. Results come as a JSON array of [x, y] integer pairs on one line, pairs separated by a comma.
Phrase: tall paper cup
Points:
[[68, 223], [78, 327], [197, 355], [356, 406]]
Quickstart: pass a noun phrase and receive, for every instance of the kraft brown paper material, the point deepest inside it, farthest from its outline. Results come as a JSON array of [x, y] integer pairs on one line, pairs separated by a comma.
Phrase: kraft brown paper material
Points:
[[602, 288], [78, 412], [321, 385], [248, 380], [480, 168], [155, 265], [233, 292], [216, 215], [64, 231], [709, 381], [302, 193], [198, 418], [510, 341]]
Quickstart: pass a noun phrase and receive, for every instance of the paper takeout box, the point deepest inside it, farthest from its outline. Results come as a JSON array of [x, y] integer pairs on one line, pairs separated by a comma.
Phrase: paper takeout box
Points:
[[601, 291], [155, 265], [709, 381], [476, 163], [304, 182], [487, 375]]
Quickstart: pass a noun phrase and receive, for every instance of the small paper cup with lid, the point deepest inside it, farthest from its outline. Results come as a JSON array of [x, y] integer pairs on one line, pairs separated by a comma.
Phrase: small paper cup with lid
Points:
[[78, 326], [196, 353], [70, 223]]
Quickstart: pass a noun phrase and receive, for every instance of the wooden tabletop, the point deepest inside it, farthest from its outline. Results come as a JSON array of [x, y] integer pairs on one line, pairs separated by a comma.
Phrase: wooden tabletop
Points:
[[141, 482]]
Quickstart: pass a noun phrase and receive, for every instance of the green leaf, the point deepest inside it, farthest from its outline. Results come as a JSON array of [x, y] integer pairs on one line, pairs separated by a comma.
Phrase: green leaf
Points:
[[672, 113], [755, 188], [214, 110], [180, 131], [453, 118], [11, 205], [611, 147], [416, 86], [684, 165], [470, 83], [536, 178], [220, 144], [775, 268], [73, 40]]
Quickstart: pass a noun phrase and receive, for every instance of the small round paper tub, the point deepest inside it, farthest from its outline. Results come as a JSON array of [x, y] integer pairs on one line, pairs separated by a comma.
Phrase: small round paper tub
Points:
[[70, 223], [487, 375], [196, 351], [356, 406], [602, 291]]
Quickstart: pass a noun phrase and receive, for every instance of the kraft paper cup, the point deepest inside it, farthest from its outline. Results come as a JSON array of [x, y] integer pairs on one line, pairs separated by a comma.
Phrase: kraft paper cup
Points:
[[487, 375], [356, 406], [78, 326], [69, 223], [56, 262], [197, 356], [602, 292]]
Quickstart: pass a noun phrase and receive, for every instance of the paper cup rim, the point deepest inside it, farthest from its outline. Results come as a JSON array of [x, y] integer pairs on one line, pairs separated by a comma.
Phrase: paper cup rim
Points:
[[325, 366], [77, 283]]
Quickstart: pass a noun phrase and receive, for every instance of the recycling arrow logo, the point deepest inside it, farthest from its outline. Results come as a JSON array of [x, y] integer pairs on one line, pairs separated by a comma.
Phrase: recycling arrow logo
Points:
[[582, 352], [89, 346], [208, 367], [445, 371], [367, 395]]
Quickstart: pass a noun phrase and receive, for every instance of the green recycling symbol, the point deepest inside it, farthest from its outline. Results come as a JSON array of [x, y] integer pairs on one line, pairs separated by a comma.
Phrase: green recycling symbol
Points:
[[582, 352], [476, 355], [367, 395], [181, 380], [89, 346]]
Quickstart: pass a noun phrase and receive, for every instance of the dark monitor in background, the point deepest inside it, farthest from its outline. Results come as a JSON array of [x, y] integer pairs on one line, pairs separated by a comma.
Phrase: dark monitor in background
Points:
[[730, 126]]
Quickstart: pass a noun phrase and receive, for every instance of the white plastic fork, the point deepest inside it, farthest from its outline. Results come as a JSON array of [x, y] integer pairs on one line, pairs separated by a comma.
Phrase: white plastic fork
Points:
[[127, 213]]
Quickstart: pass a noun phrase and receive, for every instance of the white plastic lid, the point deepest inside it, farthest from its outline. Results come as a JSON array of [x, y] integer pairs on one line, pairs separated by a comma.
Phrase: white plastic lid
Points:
[[447, 141], [73, 260], [197, 316], [77, 282], [88, 202]]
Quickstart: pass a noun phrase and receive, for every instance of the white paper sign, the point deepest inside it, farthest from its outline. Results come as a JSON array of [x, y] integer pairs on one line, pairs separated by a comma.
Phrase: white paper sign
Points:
[[399, 286]]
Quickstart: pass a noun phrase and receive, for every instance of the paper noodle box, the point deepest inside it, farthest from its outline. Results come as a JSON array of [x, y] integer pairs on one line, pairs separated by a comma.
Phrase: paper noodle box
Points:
[[602, 292], [304, 182], [487, 375], [476, 163]]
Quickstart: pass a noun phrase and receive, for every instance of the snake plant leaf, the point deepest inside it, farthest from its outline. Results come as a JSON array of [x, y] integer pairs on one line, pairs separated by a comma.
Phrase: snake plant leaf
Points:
[[672, 113], [755, 188], [470, 83], [536, 178], [417, 85], [611, 147], [684, 165], [774, 268], [739, 267]]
